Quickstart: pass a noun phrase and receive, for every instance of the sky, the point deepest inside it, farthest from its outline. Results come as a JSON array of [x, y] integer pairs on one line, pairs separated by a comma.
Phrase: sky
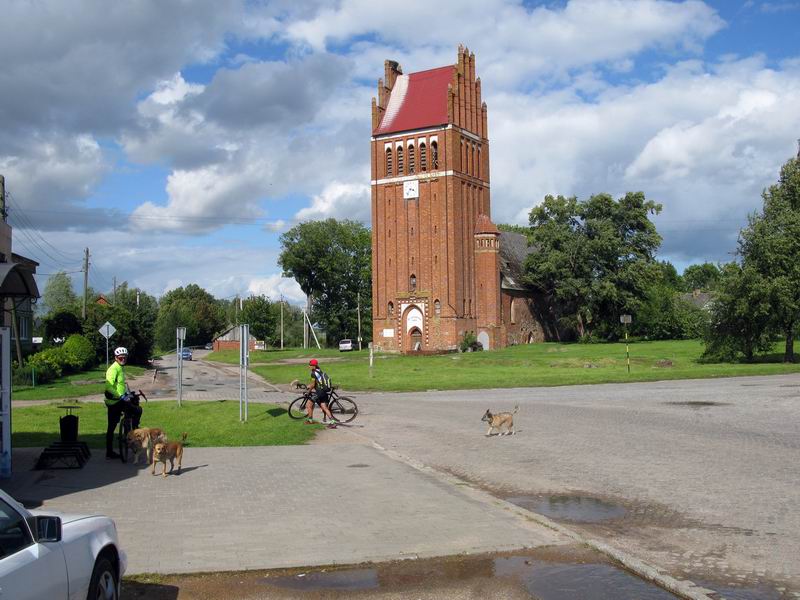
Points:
[[178, 140]]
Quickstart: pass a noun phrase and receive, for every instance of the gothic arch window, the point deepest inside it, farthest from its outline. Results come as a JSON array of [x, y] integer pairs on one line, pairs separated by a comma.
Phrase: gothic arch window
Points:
[[514, 310], [423, 157], [412, 261], [391, 309], [412, 283], [478, 164], [437, 307], [411, 162], [388, 162], [434, 155], [400, 168], [472, 159]]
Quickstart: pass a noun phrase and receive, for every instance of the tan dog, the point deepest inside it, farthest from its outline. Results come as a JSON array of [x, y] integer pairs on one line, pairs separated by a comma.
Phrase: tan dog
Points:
[[496, 421], [168, 451], [296, 385], [142, 441]]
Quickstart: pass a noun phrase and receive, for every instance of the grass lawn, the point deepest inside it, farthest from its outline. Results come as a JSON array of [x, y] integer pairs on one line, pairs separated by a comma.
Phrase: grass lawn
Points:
[[547, 364], [208, 424], [87, 383], [267, 356]]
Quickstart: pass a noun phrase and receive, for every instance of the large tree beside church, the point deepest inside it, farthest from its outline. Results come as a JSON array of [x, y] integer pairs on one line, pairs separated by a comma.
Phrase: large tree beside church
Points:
[[594, 258], [331, 260], [769, 248]]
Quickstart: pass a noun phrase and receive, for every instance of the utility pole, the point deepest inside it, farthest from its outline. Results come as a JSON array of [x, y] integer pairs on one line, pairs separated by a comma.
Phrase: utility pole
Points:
[[137, 298], [281, 321], [115, 290], [359, 319], [85, 281]]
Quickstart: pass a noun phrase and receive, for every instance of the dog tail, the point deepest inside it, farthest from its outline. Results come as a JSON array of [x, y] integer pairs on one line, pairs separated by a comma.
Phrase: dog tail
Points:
[[516, 409]]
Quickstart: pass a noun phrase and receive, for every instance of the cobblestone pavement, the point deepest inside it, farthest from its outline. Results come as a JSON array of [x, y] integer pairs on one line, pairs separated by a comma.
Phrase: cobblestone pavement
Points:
[[708, 470]]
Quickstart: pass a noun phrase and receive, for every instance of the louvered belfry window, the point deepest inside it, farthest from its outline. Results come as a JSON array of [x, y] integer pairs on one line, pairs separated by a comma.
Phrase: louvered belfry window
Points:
[[423, 158], [411, 161], [400, 170], [434, 155], [388, 162]]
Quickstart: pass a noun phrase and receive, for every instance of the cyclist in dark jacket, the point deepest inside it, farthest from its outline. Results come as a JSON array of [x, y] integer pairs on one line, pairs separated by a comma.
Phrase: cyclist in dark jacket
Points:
[[318, 393]]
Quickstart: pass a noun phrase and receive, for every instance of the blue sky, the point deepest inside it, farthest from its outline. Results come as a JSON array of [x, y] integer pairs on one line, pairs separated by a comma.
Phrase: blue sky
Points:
[[179, 140]]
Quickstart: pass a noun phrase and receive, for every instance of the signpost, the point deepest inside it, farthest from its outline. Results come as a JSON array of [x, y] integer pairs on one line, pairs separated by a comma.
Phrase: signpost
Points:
[[244, 358], [626, 320], [5, 402], [180, 334], [107, 330]]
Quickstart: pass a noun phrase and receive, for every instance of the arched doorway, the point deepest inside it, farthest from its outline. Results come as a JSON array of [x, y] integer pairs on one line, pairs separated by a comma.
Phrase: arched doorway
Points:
[[483, 338], [415, 340], [414, 325]]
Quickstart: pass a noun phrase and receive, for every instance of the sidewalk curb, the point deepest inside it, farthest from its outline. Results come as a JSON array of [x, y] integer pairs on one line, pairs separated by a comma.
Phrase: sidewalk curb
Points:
[[683, 588]]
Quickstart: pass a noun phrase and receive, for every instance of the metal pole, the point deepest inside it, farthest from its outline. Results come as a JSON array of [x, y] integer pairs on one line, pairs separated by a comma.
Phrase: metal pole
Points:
[[627, 353], [244, 365], [359, 320], [106, 349], [281, 321], [86, 283]]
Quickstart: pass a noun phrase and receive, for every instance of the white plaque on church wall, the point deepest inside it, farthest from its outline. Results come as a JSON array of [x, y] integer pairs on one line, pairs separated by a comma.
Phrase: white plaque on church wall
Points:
[[411, 189], [388, 333]]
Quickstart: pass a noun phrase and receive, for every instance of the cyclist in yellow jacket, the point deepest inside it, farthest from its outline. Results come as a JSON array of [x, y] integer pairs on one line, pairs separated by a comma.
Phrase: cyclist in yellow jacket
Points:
[[117, 399]]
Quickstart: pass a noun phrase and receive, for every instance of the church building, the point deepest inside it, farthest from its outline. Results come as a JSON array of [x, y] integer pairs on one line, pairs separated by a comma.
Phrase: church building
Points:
[[440, 266]]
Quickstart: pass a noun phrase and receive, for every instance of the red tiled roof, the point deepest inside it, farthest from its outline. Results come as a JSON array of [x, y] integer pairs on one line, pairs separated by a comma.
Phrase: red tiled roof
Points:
[[483, 224], [417, 100]]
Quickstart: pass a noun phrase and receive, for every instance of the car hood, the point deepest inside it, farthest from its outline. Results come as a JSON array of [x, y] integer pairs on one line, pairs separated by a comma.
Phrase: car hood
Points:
[[65, 517]]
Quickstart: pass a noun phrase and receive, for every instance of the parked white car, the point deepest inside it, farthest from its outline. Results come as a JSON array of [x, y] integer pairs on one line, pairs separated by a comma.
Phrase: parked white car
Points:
[[56, 556], [345, 345]]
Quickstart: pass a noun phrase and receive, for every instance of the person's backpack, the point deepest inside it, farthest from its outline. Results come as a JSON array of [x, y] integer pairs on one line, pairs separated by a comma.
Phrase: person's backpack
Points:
[[323, 380]]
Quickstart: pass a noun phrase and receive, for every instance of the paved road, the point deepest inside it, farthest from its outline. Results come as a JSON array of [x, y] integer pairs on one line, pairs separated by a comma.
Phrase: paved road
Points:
[[708, 470]]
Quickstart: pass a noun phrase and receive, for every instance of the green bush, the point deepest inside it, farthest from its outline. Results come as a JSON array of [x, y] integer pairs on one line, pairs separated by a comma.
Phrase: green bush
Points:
[[49, 364], [79, 353], [21, 376]]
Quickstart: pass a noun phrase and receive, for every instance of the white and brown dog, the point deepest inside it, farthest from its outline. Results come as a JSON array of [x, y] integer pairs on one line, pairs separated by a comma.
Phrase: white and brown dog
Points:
[[497, 420], [143, 440]]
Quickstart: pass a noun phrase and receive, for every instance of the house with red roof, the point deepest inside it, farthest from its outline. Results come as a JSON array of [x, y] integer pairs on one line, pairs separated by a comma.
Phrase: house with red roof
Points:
[[440, 267]]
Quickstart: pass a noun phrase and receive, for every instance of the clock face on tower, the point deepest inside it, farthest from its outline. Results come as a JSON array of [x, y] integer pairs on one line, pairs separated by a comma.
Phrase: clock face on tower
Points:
[[411, 189]]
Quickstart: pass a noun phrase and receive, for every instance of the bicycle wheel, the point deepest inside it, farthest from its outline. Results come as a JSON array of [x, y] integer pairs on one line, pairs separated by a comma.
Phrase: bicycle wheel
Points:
[[122, 439], [297, 409], [343, 409]]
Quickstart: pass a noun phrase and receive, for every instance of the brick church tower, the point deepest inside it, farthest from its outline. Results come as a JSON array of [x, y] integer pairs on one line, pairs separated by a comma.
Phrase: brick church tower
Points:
[[435, 251]]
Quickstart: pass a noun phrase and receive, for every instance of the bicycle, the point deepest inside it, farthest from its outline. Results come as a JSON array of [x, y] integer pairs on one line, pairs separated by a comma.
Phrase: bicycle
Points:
[[126, 425], [342, 408]]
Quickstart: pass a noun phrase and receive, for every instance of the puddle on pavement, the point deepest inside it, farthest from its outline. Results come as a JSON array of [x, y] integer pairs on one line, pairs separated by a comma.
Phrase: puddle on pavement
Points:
[[575, 509], [522, 575], [357, 466], [698, 403]]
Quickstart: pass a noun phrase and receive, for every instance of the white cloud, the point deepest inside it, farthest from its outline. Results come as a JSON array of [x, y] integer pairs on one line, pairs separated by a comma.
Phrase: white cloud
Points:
[[339, 200], [276, 287]]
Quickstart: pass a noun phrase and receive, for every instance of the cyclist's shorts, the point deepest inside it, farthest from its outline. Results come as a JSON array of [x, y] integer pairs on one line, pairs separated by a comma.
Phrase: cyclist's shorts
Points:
[[320, 396]]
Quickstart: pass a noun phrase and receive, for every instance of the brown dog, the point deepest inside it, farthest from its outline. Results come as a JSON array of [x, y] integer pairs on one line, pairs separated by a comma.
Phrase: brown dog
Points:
[[496, 421], [142, 441], [168, 451]]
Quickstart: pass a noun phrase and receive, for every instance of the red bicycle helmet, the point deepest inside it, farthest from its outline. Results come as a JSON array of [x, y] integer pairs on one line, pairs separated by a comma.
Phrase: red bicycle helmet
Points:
[[313, 362]]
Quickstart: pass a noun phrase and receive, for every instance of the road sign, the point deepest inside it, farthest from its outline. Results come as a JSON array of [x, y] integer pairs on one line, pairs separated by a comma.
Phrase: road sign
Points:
[[107, 330], [626, 319], [181, 333]]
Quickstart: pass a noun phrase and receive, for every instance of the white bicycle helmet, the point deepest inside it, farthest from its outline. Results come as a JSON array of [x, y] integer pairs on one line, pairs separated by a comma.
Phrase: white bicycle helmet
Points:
[[121, 351]]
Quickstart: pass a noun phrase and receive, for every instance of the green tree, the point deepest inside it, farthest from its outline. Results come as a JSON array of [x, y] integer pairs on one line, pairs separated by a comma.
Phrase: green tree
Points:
[[144, 310], [191, 307], [700, 277], [740, 315], [257, 311], [594, 259], [126, 332], [770, 244], [60, 325], [331, 261], [58, 295]]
